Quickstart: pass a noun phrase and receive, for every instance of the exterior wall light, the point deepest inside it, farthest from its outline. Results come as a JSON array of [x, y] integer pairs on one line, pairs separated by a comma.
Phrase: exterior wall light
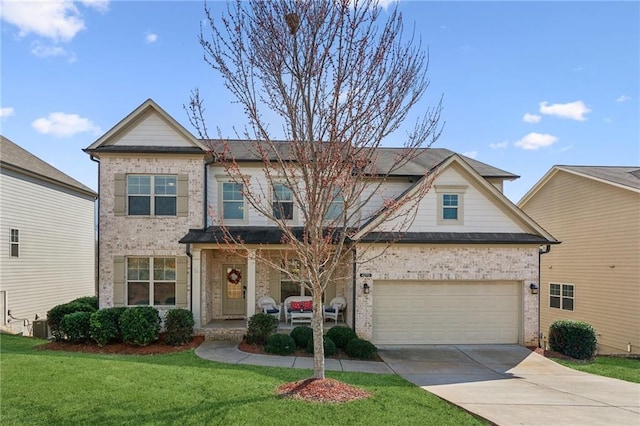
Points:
[[365, 288], [533, 288]]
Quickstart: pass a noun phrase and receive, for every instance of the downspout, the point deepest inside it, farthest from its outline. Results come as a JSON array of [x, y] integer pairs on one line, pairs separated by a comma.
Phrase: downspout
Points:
[[188, 251], [540, 253], [97, 259], [353, 251]]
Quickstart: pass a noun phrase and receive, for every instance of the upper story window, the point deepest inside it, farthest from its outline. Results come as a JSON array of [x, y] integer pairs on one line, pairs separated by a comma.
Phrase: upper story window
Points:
[[561, 296], [450, 204], [14, 243], [336, 207], [233, 205], [282, 201], [152, 195], [151, 281]]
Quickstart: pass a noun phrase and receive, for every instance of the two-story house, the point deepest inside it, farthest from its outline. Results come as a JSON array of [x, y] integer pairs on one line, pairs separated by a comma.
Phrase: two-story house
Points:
[[465, 272]]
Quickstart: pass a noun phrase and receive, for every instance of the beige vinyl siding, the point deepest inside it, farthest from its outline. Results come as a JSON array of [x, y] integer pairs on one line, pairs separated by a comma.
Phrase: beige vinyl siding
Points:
[[57, 245], [599, 226], [153, 130]]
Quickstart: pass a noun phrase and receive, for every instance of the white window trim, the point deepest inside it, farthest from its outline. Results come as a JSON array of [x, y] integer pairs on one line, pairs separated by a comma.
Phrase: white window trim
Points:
[[151, 280], [294, 219], [245, 210], [458, 190], [152, 195], [337, 193], [14, 243], [562, 297]]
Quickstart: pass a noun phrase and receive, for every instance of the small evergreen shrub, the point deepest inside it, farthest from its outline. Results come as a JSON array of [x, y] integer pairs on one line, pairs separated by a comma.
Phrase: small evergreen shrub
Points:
[[341, 335], [55, 315], [302, 334], [87, 300], [328, 344], [260, 327], [105, 325], [280, 344], [76, 326], [140, 325], [576, 339], [361, 349], [179, 324]]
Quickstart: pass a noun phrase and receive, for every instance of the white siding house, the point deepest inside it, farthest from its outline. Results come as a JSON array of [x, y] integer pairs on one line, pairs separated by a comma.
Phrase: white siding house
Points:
[[48, 238]]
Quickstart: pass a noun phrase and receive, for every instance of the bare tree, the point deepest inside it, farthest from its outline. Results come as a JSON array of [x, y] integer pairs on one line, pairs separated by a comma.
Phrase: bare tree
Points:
[[340, 83]]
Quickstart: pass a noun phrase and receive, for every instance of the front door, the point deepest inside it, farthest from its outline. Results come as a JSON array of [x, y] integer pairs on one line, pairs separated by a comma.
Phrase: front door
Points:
[[234, 290]]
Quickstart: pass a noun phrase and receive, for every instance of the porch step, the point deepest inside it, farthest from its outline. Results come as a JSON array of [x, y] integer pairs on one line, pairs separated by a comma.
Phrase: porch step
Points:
[[231, 334]]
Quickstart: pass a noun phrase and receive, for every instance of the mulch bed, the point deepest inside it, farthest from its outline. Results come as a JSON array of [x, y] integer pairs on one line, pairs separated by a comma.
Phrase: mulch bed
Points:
[[156, 348], [322, 390], [550, 354]]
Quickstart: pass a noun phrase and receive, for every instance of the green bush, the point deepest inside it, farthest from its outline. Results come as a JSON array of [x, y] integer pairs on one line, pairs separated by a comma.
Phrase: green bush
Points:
[[179, 325], [341, 335], [76, 326], [301, 335], [260, 327], [329, 346], [576, 339], [87, 300], [361, 349], [140, 325], [57, 313], [105, 325], [280, 344]]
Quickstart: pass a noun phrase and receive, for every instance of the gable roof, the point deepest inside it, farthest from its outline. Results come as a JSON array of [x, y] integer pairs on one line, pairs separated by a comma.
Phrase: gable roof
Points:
[[103, 143], [626, 177], [22, 161]]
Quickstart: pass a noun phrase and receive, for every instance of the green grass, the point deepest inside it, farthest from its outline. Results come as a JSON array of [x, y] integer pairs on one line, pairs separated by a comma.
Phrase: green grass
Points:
[[619, 368], [62, 388]]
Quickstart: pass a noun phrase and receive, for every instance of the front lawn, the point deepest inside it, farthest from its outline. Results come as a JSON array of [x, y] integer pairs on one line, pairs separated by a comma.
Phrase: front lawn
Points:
[[47, 387], [619, 368]]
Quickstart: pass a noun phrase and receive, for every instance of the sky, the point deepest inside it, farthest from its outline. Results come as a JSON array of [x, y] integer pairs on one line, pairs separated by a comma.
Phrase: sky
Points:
[[526, 85]]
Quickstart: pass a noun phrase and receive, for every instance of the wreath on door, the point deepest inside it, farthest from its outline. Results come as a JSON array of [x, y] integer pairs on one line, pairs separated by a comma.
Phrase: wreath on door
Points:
[[234, 276]]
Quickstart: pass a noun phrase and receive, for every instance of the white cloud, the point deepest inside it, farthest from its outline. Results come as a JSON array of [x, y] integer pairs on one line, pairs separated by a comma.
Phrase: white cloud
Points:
[[386, 3], [44, 51], [572, 110], [6, 112], [531, 118], [61, 124], [623, 98], [151, 37], [499, 145], [58, 20], [470, 154], [534, 141]]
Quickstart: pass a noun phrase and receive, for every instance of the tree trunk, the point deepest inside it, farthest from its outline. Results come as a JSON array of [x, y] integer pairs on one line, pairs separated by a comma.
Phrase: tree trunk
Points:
[[317, 323]]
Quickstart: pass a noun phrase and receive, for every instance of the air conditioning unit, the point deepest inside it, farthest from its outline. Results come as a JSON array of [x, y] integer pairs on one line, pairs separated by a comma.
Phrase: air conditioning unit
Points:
[[40, 329]]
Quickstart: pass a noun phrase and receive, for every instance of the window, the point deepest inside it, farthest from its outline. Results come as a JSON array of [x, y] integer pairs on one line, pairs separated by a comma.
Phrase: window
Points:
[[450, 204], [561, 296], [14, 243], [232, 201], [282, 202], [151, 195], [151, 281], [336, 207]]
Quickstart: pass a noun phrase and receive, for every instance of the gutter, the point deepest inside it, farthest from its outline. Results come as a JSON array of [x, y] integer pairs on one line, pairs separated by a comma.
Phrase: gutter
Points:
[[188, 252], [540, 253], [353, 325], [97, 272]]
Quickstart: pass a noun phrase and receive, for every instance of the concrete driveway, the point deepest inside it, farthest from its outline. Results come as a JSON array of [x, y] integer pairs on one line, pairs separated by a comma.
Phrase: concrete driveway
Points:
[[510, 385]]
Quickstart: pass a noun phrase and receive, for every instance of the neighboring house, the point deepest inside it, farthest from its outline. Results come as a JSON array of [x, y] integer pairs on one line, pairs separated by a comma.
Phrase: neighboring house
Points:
[[594, 275], [47, 228], [462, 274]]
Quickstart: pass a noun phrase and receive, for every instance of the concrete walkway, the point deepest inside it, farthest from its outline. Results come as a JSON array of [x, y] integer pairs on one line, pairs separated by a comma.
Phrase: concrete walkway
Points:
[[505, 384], [510, 385]]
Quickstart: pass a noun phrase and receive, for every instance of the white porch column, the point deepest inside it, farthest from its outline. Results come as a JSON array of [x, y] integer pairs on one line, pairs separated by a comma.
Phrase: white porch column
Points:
[[251, 283], [196, 294]]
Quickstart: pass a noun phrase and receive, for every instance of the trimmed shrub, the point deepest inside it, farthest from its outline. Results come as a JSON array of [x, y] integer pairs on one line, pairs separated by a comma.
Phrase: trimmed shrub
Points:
[[76, 326], [280, 344], [576, 339], [179, 324], [341, 335], [301, 335], [57, 313], [361, 349], [260, 327], [105, 325], [329, 346], [87, 300], [140, 325]]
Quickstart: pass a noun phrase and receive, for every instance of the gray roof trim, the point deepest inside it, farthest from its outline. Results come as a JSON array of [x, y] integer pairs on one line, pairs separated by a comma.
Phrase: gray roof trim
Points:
[[146, 149], [456, 238]]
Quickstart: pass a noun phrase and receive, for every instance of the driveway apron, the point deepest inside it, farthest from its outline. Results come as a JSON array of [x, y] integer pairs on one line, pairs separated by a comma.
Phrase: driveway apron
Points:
[[510, 385]]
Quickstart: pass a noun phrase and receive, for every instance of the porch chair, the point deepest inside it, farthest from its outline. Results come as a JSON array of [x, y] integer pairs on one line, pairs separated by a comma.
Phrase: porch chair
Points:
[[298, 312], [269, 306], [335, 308]]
